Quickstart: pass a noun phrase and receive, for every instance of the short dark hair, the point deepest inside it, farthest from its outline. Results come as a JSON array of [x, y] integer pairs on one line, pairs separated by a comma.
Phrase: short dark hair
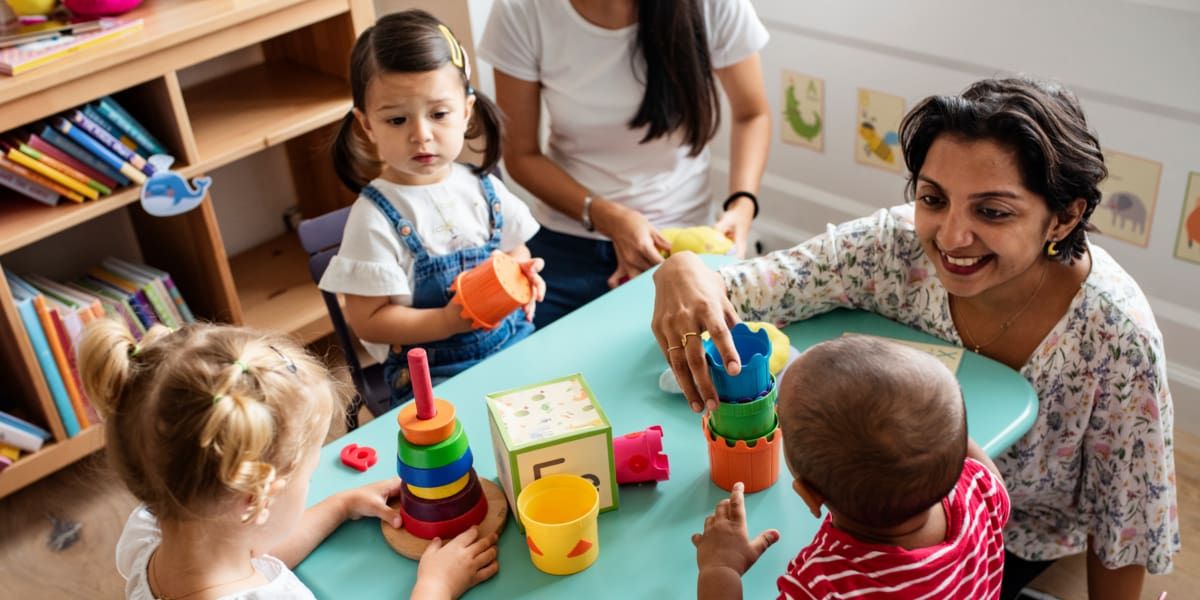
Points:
[[409, 41], [875, 427], [1042, 122], [681, 93]]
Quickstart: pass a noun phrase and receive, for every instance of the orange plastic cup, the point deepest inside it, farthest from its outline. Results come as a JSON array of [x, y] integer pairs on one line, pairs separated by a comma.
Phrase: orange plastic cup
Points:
[[492, 290], [756, 466]]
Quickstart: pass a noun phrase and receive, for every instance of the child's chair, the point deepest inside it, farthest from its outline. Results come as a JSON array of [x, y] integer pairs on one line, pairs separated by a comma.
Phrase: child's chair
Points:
[[321, 237]]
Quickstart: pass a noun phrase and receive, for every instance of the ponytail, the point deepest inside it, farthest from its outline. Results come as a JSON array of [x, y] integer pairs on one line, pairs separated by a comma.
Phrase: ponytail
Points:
[[107, 355], [681, 93], [353, 159], [487, 122]]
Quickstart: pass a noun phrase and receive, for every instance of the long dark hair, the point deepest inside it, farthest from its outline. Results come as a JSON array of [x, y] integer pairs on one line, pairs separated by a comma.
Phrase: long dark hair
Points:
[[1058, 157], [680, 92], [410, 41]]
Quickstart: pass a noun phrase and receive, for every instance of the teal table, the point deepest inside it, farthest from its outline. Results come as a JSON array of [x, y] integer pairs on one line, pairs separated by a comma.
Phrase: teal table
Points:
[[645, 546]]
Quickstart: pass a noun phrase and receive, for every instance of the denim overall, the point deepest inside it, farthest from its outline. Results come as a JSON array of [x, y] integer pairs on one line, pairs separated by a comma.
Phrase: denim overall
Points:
[[432, 276]]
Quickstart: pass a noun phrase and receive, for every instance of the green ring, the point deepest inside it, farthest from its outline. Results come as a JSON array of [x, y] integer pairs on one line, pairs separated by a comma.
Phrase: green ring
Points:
[[746, 421], [436, 456]]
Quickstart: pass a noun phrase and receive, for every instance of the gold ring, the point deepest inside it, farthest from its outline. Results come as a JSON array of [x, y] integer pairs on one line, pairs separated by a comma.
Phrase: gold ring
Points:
[[670, 348], [683, 340]]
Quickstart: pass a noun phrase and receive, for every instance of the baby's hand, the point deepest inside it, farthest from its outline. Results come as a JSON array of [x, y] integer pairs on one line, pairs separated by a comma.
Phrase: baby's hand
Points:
[[447, 571], [531, 268], [371, 500], [725, 542]]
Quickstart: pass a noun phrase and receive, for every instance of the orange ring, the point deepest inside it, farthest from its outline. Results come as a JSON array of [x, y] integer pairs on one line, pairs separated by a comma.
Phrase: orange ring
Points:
[[427, 432]]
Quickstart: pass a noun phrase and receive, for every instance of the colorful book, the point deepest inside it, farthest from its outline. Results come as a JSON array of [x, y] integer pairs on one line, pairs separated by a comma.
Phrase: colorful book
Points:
[[118, 116], [185, 313], [65, 144], [28, 188], [32, 163], [87, 305], [64, 168], [19, 59], [56, 339], [11, 453], [108, 126], [104, 137], [19, 438], [41, 348], [114, 308], [37, 143], [22, 424], [156, 292], [136, 298], [22, 171], [68, 324], [89, 143]]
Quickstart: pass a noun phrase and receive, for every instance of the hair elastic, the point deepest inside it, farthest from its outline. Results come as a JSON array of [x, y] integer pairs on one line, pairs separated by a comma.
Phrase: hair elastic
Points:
[[243, 366]]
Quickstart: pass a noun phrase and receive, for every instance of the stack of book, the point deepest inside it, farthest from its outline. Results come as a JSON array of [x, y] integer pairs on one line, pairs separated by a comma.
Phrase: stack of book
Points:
[[84, 154], [18, 437], [27, 47], [54, 316]]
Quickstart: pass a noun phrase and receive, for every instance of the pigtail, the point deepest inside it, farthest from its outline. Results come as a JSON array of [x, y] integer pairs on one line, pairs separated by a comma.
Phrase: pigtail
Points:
[[108, 357], [487, 122], [353, 157]]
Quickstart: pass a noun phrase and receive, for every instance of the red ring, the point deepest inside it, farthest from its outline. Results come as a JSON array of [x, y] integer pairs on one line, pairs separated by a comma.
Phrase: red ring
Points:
[[445, 529]]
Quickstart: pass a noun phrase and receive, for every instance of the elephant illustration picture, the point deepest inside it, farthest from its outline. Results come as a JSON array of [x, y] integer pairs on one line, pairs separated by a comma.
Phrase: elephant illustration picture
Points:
[[1127, 207], [167, 193]]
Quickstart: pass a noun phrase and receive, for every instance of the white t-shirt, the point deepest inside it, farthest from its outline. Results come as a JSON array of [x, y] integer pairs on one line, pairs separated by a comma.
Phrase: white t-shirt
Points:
[[142, 536], [448, 216], [592, 91]]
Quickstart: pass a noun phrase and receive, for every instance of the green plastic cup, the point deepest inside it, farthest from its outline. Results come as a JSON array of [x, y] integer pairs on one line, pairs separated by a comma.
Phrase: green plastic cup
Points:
[[746, 420]]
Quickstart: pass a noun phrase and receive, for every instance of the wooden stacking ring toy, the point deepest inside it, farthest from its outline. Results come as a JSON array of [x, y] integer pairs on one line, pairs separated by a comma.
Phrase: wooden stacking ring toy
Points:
[[427, 432], [436, 455], [436, 477], [444, 529], [405, 543], [439, 492]]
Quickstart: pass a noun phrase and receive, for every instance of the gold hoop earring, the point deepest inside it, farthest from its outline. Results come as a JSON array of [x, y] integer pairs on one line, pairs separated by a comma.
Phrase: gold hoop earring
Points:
[[1052, 248]]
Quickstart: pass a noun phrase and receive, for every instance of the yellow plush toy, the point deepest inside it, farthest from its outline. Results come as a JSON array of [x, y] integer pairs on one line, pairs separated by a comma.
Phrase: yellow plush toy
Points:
[[701, 240]]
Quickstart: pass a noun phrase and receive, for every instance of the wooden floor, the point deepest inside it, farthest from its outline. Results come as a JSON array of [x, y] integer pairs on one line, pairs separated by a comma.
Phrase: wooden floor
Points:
[[88, 493]]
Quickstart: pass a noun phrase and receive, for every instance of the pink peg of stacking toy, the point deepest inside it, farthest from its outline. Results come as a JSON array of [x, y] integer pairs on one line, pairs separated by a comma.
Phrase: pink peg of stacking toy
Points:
[[426, 420]]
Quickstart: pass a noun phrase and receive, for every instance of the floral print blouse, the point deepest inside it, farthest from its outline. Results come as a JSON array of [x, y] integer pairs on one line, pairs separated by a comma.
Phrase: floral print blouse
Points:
[[1098, 462]]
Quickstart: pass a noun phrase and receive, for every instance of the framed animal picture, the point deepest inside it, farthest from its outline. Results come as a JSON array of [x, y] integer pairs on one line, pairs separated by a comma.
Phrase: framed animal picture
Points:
[[1187, 245], [876, 142], [1130, 193], [803, 122]]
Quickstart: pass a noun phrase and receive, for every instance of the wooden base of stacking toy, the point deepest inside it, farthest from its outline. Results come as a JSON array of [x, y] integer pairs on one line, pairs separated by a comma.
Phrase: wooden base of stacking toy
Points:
[[408, 545]]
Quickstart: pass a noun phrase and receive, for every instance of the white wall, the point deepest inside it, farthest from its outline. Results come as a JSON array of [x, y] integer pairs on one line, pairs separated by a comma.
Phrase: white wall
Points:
[[1134, 64]]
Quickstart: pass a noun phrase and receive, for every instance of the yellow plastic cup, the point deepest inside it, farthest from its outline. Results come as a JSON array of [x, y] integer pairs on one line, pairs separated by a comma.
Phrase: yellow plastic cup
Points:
[[559, 514]]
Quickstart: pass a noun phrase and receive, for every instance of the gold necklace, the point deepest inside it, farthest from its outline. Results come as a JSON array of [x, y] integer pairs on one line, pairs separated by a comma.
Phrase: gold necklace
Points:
[[154, 581], [1003, 326]]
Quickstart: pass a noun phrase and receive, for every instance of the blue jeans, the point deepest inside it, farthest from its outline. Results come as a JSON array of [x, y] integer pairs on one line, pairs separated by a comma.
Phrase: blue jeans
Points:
[[577, 272]]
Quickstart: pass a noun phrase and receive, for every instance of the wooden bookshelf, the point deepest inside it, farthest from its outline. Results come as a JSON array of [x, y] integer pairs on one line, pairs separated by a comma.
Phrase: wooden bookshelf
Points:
[[292, 99]]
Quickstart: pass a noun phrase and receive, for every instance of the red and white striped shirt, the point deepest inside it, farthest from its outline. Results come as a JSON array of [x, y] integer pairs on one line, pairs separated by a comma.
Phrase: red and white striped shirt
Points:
[[968, 565]]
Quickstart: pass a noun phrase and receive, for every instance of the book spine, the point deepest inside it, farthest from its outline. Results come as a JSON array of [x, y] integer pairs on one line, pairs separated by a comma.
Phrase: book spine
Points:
[[104, 137], [28, 188], [65, 144], [11, 453], [91, 113], [19, 439], [52, 325], [64, 168], [49, 149], [115, 113], [41, 349], [37, 178], [45, 171], [184, 310], [24, 425], [81, 137]]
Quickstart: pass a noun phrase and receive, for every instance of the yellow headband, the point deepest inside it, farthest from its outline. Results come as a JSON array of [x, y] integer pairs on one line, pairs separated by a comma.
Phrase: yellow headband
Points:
[[456, 53]]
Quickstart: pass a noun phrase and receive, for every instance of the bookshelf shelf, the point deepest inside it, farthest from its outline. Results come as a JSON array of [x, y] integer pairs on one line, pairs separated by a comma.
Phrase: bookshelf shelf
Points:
[[276, 291], [261, 106], [292, 99], [50, 458]]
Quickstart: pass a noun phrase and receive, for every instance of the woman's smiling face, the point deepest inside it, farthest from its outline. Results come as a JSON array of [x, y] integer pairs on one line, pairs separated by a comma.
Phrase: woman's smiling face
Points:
[[976, 220]]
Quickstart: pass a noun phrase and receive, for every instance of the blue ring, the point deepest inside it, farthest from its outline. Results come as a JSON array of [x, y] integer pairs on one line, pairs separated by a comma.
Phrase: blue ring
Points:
[[434, 477]]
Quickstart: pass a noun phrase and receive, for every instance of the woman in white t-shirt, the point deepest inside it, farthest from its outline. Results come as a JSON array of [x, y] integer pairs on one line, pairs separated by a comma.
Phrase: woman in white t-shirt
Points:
[[630, 90]]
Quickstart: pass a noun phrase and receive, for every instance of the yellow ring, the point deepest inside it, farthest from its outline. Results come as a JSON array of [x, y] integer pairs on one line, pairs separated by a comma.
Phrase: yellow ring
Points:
[[683, 340], [441, 491], [670, 348]]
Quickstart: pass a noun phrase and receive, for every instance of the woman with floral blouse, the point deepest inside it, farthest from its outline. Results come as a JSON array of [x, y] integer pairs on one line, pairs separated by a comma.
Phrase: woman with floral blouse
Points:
[[992, 254]]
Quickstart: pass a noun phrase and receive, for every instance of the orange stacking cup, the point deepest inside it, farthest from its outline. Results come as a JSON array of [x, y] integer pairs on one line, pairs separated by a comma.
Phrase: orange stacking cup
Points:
[[492, 290], [755, 465]]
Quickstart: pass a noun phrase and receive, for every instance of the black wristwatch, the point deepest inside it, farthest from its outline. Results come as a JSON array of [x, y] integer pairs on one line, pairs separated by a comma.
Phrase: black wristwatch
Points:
[[734, 196]]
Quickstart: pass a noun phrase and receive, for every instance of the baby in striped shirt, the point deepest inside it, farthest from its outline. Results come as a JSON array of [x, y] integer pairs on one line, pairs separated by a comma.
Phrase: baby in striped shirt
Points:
[[875, 432]]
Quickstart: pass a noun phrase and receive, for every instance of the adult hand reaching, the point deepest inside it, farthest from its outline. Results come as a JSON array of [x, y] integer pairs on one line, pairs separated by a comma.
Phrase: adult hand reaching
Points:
[[689, 298], [735, 225], [636, 242]]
